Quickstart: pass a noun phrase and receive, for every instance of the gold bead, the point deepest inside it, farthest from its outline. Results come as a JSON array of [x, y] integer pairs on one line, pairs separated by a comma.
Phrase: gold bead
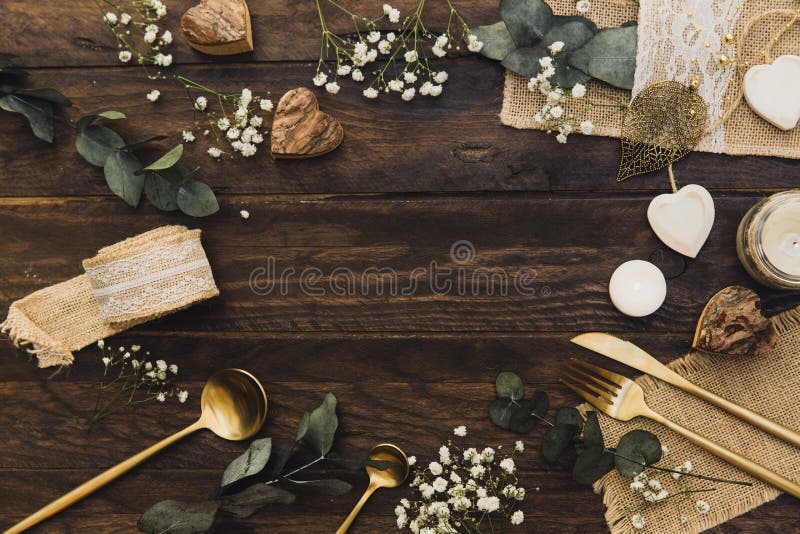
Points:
[[724, 60], [729, 38], [695, 83]]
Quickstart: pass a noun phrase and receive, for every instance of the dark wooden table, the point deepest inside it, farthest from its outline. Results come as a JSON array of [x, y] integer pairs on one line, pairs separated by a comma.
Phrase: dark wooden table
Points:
[[408, 182]]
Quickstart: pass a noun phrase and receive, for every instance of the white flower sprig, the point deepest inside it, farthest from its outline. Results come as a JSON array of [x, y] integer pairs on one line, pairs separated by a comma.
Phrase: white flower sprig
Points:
[[461, 489], [133, 379], [237, 120], [389, 61]]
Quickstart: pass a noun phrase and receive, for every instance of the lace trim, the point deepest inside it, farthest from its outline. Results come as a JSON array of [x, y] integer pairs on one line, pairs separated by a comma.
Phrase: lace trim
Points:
[[145, 262], [151, 297]]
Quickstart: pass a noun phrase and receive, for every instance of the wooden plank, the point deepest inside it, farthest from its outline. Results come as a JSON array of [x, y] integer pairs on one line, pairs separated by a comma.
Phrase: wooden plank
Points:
[[561, 252]]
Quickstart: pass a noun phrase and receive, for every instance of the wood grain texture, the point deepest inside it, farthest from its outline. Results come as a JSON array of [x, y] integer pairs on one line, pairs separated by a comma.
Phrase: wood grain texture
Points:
[[409, 181]]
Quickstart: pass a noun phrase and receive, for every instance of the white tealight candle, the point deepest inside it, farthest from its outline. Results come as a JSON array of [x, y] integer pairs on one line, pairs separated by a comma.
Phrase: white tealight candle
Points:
[[781, 238], [637, 288]]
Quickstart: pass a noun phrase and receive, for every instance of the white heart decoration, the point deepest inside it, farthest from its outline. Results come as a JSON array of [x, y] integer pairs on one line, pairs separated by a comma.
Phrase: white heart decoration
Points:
[[684, 219], [773, 91]]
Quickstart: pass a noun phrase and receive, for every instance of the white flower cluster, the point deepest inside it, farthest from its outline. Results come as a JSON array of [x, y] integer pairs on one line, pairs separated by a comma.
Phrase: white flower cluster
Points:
[[583, 6], [461, 489], [553, 115], [402, 55]]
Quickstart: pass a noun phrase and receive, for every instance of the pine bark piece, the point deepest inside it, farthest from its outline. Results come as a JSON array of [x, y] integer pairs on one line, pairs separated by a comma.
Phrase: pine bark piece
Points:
[[301, 130], [732, 323], [218, 27]]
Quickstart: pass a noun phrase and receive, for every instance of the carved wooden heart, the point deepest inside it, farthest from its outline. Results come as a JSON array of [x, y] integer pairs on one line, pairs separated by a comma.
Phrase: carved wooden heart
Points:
[[773, 91], [684, 219], [732, 323], [301, 130], [218, 27]]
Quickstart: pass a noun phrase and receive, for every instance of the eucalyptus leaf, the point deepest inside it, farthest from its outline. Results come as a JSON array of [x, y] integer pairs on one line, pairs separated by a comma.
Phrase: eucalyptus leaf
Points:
[[569, 416], [497, 40], [137, 144], [635, 450], [591, 465], [527, 20], [500, 411], [84, 122], [592, 435], [302, 426], [161, 190], [95, 143], [328, 486], [167, 160], [609, 56], [527, 415], [197, 199], [177, 517], [322, 425], [50, 95], [38, 112], [509, 385], [557, 440], [250, 463], [120, 170], [247, 502]]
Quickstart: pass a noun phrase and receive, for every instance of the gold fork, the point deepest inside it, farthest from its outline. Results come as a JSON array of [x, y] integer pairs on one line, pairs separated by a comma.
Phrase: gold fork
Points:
[[623, 399]]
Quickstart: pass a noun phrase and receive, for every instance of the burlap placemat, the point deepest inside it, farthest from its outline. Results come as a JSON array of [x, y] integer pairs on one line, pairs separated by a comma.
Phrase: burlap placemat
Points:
[[134, 281], [667, 43], [768, 384]]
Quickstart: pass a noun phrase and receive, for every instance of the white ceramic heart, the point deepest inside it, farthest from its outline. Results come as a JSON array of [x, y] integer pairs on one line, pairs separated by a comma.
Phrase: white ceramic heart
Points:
[[684, 219], [773, 91]]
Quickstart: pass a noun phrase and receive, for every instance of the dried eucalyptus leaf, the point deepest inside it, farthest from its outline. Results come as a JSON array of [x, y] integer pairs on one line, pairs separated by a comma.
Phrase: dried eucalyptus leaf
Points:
[[328, 486], [526, 20], [509, 385], [196, 199], [247, 502], [591, 465], [121, 172], [592, 435], [251, 462], [500, 411], [167, 160], [609, 56], [636, 449], [38, 112], [557, 440], [161, 188], [178, 517], [569, 416], [496, 39], [322, 425], [96, 143], [302, 426]]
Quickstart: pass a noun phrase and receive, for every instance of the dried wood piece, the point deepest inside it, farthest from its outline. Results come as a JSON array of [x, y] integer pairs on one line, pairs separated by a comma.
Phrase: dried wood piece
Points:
[[732, 323], [218, 27], [300, 129]]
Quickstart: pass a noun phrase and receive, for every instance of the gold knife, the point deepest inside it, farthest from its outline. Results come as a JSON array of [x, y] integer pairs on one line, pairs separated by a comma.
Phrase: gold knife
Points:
[[632, 356]]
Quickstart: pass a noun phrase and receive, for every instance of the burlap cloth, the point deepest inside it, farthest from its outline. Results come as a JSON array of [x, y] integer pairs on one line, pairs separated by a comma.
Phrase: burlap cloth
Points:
[[769, 384], [743, 133], [134, 281]]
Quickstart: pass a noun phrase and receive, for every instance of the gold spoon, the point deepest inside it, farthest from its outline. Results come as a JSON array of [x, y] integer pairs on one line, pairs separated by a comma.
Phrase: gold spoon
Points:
[[390, 477], [234, 407]]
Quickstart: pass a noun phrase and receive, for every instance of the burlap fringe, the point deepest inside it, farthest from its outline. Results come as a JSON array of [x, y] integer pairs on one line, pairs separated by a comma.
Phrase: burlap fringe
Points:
[[18, 328], [616, 516]]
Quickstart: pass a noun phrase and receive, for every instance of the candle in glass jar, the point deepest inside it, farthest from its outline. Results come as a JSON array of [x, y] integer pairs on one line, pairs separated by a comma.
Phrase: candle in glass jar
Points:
[[637, 288], [768, 242]]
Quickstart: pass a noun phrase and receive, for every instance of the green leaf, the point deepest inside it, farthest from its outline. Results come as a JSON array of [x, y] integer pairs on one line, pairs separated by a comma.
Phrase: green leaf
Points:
[[609, 56], [500, 411], [251, 462], [526, 20], [196, 199], [167, 160], [96, 143], [50, 95], [328, 486], [137, 144], [569, 416], [120, 170], [38, 112], [509, 385], [635, 450], [302, 426], [591, 465], [557, 440], [322, 425], [84, 122], [496, 39], [527, 415], [161, 188], [592, 435], [178, 517], [247, 502]]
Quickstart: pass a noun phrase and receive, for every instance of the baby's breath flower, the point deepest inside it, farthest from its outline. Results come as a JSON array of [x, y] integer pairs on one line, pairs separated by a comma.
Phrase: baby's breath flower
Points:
[[439, 485], [460, 431], [332, 87], [320, 79], [507, 465], [166, 37], [125, 19], [702, 507], [110, 18], [587, 127], [411, 56], [188, 136], [556, 47], [150, 37], [214, 152], [583, 6], [637, 520], [106, 360], [200, 103], [265, 104], [153, 95], [374, 36], [440, 77], [517, 517], [136, 348], [488, 504], [519, 446], [435, 468], [357, 76], [161, 397], [101, 343], [244, 214], [394, 15], [408, 94], [182, 396], [473, 44], [125, 56], [163, 60], [412, 460], [579, 90]]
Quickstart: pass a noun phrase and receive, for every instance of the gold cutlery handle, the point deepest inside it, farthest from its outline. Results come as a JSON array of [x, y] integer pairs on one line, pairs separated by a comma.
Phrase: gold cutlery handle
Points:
[[748, 466], [356, 509], [99, 481], [767, 425]]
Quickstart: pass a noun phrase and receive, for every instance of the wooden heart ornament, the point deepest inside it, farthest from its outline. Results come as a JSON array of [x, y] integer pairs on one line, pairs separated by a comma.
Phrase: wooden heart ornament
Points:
[[732, 323], [301, 130], [218, 27], [684, 219], [773, 91]]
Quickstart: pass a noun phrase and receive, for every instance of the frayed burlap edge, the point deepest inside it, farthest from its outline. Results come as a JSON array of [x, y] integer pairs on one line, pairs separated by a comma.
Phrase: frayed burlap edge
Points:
[[615, 515]]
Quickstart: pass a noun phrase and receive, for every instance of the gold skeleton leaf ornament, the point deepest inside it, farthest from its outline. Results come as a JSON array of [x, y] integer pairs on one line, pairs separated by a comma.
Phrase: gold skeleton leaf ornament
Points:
[[663, 124]]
